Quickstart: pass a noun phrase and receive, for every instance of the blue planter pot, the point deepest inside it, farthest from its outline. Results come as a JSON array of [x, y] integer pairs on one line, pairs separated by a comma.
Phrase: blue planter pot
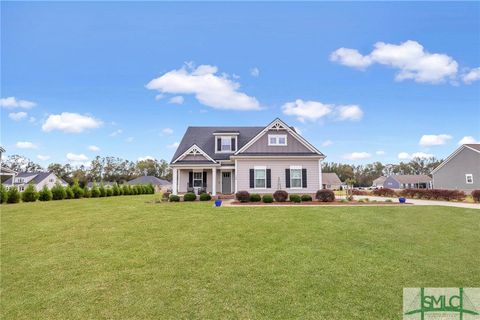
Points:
[[218, 203], [402, 200]]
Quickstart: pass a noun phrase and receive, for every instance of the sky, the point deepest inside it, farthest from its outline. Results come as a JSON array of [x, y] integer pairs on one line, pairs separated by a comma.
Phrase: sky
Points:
[[363, 82]]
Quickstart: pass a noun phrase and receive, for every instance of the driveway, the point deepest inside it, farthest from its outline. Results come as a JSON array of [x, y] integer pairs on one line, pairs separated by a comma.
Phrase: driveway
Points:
[[419, 202]]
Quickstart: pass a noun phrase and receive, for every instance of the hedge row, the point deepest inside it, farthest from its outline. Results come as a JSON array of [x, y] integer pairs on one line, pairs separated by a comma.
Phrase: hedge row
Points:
[[434, 194], [58, 192], [282, 196], [190, 196]]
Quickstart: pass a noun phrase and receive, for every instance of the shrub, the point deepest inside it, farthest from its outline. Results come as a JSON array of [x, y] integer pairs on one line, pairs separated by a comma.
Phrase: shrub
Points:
[[120, 190], [243, 196], [69, 193], [357, 192], [58, 192], [205, 197], [103, 192], [108, 192], [476, 195], [77, 191], [280, 195], [255, 197], [13, 195], [361, 200], [434, 194], [165, 196], [325, 195], [174, 198], [45, 194], [3, 194], [388, 200], [267, 198], [344, 200], [385, 192], [95, 192], [306, 197], [115, 190], [295, 198], [189, 196], [30, 194], [151, 188], [87, 193], [133, 190]]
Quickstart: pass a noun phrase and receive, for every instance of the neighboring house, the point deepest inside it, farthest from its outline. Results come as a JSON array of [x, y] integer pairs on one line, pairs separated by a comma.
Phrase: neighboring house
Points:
[[408, 181], [4, 171], [106, 184], [38, 179], [331, 181], [378, 183], [461, 170], [159, 184], [256, 159]]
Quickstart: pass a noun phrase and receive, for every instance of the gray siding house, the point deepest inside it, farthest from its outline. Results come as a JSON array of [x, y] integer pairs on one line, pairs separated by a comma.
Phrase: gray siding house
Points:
[[460, 171], [407, 181], [159, 184], [256, 159]]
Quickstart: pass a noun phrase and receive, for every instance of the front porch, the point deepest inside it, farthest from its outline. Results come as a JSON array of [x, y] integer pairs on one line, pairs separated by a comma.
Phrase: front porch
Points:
[[214, 180]]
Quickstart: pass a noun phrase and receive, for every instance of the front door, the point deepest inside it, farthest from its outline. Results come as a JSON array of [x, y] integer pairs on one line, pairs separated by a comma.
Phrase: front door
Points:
[[226, 183]]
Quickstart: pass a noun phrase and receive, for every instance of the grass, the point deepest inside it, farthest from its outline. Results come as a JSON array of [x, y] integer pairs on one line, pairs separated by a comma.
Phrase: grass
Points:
[[128, 258]]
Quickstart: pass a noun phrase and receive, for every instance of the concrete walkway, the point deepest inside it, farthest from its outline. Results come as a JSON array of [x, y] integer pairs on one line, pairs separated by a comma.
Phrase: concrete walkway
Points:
[[419, 202]]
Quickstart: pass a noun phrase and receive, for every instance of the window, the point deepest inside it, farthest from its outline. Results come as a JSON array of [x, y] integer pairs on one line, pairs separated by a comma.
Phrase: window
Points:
[[226, 144], [21, 188], [260, 178], [295, 177], [277, 139], [469, 178], [197, 179]]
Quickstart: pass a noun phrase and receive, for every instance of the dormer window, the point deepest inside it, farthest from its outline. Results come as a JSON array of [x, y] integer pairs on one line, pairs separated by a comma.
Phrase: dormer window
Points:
[[225, 144], [277, 139]]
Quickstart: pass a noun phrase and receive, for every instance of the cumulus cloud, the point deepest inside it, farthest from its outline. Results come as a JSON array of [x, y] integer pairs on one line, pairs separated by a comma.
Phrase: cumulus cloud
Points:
[[42, 157], [428, 140], [26, 145], [93, 148], [315, 110], [176, 100], [327, 143], [208, 87], [410, 58], [471, 76], [145, 158], [255, 72], [76, 157], [167, 131], [12, 102], [70, 122], [380, 153], [468, 140], [357, 156], [407, 156], [17, 115], [173, 145]]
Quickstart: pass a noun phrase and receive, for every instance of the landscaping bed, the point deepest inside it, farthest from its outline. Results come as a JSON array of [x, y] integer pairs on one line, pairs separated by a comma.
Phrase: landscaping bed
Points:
[[319, 203]]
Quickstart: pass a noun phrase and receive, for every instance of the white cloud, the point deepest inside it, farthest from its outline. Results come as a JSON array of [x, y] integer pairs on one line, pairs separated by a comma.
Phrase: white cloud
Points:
[[17, 115], [42, 157], [468, 140], [407, 156], [31, 119], [380, 153], [209, 88], [145, 158], [93, 148], [327, 143], [116, 133], [471, 76], [409, 57], [12, 102], [159, 97], [173, 145], [167, 131], [255, 72], [428, 140], [357, 156], [129, 139], [350, 112], [76, 157], [315, 110], [25, 145], [176, 100], [403, 156], [70, 122]]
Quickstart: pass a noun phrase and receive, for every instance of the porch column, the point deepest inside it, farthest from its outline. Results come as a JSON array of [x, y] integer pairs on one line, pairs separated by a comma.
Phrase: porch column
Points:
[[214, 181], [174, 181]]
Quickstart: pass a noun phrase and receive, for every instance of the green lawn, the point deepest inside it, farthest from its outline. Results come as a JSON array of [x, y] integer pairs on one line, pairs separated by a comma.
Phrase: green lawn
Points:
[[126, 257]]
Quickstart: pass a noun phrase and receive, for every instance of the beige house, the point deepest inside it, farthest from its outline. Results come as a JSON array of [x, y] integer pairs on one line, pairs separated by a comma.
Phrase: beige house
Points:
[[330, 180], [256, 159]]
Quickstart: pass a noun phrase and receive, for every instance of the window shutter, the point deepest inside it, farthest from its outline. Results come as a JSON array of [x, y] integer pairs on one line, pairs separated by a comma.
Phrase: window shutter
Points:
[[304, 178], [269, 178], [204, 179], [287, 178], [190, 179], [219, 144], [252, 178], [233, 144]]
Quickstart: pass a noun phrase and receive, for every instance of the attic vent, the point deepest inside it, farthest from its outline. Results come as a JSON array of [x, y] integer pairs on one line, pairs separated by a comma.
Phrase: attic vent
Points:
[[277, 126]]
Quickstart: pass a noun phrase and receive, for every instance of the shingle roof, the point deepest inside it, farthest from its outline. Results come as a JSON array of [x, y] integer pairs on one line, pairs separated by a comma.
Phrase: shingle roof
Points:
[[380, 180], [150, 179], [475, 146], [39, 176], [411, 178], [330, 178]]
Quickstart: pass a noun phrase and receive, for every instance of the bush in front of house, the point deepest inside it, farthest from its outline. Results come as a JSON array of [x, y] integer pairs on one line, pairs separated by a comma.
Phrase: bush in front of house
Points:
[[357, 192], [58, 192], [476, 195], [325, 195], [434, 194], [267, 198], [45, 194], [87, 193], [13, 196], [295, 198], [243, 196], [30, 194], [3, 194], [280, 195], [108, 192], [151, 188], [77, 191], [306, 197], [115, 190], [69, 193], [384, 192], [255, 197], [103, 191], [95, 192], [174, 198], [189, 196], [205, 197]]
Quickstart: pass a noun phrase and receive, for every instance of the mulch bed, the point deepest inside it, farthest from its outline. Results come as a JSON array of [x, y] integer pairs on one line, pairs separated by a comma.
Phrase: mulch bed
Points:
[[318, 203]]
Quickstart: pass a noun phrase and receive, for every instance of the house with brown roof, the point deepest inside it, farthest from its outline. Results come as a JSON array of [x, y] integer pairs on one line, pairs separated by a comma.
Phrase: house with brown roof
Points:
[[330, 180]]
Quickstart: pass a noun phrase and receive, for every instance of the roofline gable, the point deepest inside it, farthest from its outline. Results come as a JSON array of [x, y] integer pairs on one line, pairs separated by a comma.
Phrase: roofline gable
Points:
[[453, 155], [194, 148]]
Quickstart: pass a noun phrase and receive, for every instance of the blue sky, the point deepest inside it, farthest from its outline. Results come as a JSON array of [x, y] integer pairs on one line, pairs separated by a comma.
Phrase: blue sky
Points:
[[361, 81]]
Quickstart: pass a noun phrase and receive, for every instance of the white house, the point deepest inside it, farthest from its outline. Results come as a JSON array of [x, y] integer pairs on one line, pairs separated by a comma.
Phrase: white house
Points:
[[38, 179]]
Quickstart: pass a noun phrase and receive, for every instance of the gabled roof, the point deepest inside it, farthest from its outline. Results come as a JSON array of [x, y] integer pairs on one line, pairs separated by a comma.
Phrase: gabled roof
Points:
[[330, 178], [150, 179], [380, 180], [38, 177], [411, 178], [472, 146]]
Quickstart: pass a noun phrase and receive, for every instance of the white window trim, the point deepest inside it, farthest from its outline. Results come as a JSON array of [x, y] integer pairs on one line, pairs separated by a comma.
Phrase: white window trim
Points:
[[264, 168], [193, 178], [468, 175], [301, 177], [226, 137], [277, 136]]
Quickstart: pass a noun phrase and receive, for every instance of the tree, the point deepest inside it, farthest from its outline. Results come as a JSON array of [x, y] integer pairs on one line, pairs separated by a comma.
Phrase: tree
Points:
[[3, 194], [45, 194], [21, 164], [103, 192], [87, 193], [30, 194], [58, 192], [77, 191], [13, 195], [95, 192], [69, 193]]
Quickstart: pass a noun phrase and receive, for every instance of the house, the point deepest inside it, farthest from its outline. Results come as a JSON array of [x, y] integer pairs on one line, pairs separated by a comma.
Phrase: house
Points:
[[408, 181], [378, 183], [159, 184], [331, 181], [38, 179], [256, 159], [4, 171], [105, 184], [460, 171]]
